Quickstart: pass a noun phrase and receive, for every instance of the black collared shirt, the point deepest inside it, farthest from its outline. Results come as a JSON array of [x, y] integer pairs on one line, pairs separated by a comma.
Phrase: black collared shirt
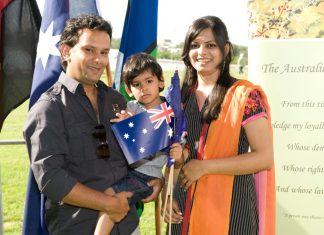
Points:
[[62, 151]]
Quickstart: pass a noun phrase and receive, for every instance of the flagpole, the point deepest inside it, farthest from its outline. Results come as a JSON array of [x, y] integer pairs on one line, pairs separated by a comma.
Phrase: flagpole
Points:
[[108, 73], [166, 196], [171, 177], [171, 196], [157, 216]]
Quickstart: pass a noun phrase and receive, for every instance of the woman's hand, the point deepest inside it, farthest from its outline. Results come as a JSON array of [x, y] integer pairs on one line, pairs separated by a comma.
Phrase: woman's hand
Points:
[[176, 154], [191, 172], [176, 217]]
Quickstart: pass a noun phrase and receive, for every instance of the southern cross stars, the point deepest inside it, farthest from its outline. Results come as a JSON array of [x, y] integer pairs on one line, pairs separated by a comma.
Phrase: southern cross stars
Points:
[[126, 135], [170, 132], [140, 136], [47, 45]]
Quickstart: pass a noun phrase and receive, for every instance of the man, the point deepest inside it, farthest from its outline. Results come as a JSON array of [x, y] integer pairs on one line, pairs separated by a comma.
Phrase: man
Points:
[[74, 155], [241, 63]]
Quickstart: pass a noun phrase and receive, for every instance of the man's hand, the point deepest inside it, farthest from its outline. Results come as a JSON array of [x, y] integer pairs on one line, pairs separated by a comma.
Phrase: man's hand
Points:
[[157, 185], [118, 206]]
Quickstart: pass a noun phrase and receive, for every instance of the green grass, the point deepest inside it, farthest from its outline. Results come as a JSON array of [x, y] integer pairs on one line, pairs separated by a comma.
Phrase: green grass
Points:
[[14, 165]]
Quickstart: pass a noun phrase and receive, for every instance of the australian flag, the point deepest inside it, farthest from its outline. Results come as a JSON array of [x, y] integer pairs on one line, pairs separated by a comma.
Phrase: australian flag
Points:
[[145, 133], [47, 70], [173, 97], [48, 61]]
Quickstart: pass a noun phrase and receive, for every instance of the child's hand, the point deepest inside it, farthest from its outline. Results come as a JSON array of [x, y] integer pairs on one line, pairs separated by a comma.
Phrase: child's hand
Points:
[[121, 116], [176, 154]]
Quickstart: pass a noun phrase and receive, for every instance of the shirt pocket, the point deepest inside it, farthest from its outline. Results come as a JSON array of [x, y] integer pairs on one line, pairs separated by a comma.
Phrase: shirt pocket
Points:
[[82, 144]]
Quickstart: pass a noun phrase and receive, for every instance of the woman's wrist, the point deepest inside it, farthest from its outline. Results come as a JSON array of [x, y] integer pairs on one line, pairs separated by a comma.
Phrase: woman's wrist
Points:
[[178, 165], [204, 168]]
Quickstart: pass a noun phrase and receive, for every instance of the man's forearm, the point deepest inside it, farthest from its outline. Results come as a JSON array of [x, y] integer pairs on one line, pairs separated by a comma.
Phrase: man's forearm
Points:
[[83, 196]]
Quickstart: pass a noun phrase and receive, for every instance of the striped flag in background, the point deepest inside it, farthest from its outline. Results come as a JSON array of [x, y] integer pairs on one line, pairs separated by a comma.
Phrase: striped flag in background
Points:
[[139, 35]]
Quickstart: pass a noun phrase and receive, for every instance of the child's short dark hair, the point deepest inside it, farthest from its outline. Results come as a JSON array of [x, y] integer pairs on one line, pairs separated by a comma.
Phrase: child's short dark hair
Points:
[[139, 63]]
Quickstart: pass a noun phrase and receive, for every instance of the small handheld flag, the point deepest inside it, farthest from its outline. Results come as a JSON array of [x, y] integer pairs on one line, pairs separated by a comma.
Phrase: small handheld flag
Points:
[[173, 97], [145, 133]]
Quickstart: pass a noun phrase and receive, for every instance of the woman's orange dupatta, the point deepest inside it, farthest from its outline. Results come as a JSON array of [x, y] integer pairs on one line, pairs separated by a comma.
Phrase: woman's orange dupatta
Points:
[[213, 195]]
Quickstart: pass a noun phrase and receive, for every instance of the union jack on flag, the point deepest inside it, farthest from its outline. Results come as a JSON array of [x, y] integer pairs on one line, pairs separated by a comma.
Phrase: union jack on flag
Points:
[[159, 115], [145, 133]]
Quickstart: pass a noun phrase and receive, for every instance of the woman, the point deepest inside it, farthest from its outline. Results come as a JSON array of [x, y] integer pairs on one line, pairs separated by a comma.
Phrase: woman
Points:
[[223, 188]]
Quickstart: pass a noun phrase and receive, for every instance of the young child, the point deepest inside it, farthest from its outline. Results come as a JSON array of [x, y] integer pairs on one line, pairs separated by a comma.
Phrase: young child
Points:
[[144, 79]]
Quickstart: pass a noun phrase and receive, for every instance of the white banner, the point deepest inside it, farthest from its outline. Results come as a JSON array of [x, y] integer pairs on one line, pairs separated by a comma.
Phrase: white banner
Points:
[[292, 74]]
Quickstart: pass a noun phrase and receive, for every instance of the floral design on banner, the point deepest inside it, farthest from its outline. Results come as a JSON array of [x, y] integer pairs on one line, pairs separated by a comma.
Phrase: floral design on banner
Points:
[[280, 19]]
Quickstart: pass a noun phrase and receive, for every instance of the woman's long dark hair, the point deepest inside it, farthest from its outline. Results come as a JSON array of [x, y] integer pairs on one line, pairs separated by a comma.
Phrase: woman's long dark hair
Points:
[[225, 80]]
